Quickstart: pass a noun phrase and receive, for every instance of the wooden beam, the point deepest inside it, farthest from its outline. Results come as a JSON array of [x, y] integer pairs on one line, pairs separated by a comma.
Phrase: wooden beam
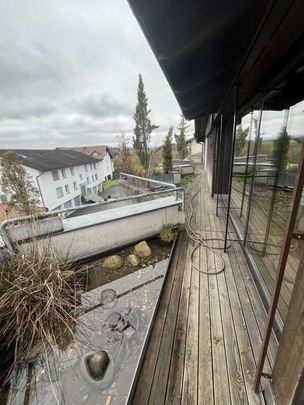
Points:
[[288, 370]]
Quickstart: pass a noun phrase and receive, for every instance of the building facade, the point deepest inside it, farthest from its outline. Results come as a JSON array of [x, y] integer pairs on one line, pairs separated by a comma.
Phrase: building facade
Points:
[[194, 148], [62, 177], [103, 154]]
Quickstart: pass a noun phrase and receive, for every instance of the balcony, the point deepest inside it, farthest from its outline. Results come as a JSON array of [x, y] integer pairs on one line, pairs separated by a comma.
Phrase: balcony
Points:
[[207, 333], [204, 335]]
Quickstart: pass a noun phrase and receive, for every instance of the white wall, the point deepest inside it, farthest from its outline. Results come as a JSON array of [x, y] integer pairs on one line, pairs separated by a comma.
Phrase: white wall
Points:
[[101, 237], [107, 166], [48, 185], [194, 147]]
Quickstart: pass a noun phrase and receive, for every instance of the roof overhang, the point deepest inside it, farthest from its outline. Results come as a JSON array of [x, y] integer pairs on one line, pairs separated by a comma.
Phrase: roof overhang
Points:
[[206, 47]]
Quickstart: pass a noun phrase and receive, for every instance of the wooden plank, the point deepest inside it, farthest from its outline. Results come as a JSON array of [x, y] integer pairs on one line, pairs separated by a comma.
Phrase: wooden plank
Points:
[[231, 332], [175, 380], [159, 385], [220, 369], [205, 374], [204, 345], [242, 325], [190, 380], [255, 300], [143, 388], [251, 305], [189, 392]]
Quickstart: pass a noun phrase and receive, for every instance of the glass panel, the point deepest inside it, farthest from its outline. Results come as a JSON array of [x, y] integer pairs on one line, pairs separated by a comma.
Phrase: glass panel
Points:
[[278, 152], [243, 165], [264, 171]]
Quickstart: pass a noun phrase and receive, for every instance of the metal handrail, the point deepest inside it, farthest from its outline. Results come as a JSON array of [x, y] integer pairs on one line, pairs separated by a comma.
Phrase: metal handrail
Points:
[[10, 245], [147, 180]]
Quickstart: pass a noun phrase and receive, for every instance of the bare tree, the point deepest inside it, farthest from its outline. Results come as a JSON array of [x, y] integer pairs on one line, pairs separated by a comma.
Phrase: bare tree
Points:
[[125, 155]]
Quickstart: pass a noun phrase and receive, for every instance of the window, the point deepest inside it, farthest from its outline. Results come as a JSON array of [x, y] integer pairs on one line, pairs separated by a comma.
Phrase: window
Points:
[[77, 201], [96, 177], [68, 204], [86, 168], [63, 173], [266, 157], [92, 177], [59, 192], [67, 188], [94, 165], [91, 166], [75, 185], [72, 171], [88, 180], [81, 176], [55, 175]]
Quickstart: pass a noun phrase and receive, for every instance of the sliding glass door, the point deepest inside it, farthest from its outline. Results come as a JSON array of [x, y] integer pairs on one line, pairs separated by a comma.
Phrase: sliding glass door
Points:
[[266, 155]]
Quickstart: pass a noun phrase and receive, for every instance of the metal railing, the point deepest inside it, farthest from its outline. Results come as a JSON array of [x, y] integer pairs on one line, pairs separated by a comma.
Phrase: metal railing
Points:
[[178, 192], [125, 177]]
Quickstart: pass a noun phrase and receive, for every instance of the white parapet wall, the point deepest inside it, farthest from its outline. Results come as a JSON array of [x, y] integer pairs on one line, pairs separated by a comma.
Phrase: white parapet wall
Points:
[[87, 235], [184, 169], [35, 229]]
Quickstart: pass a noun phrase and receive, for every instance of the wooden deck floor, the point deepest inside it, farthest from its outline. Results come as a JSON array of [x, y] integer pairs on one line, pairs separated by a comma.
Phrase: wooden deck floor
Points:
[[206, 337]]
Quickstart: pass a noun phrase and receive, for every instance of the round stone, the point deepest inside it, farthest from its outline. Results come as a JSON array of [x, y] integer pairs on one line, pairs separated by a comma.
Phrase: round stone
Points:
[[107, 296], [142, 249], [134, 260], [113, 262], [97, 364]]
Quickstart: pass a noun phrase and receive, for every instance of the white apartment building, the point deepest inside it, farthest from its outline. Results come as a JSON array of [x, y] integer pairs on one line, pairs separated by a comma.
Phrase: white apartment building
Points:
[[100, 152], [61, 176]]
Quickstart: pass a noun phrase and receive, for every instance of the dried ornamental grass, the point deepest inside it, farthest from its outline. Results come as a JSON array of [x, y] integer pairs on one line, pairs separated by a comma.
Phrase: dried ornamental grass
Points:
[[38, 296]]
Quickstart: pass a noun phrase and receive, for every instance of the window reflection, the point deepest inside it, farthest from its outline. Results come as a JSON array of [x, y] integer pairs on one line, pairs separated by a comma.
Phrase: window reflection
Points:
[[264, 174]]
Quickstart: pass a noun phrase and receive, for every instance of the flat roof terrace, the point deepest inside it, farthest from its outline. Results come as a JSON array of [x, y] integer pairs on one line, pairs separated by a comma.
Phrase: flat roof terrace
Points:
[[207, 334]]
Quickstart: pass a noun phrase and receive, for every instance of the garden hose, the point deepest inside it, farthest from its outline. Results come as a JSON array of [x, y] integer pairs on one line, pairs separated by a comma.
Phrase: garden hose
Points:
[[199, 239]]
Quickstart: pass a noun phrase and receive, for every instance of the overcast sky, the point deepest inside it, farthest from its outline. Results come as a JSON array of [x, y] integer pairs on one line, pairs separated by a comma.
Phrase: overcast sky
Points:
[[69, 72]]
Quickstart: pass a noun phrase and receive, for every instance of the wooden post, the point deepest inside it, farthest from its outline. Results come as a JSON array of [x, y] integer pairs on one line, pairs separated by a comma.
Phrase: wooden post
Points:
[[288, 370]]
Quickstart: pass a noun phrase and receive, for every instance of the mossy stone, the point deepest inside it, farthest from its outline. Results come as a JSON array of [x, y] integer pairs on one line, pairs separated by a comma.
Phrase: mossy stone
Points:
[[113, 262], [134, 260]]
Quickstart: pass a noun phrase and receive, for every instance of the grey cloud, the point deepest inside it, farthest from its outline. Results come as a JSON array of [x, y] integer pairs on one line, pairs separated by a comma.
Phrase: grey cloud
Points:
[[69, 72], [21, 109], [101, 106]]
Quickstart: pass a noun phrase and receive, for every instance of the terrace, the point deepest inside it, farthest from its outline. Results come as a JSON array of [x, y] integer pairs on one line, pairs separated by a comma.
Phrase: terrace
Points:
[[207, 333]]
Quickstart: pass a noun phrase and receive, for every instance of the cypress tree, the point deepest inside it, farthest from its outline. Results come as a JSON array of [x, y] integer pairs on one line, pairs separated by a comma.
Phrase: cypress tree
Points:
[[281, 147], [180, 138], [143, 127], [167, 151], [240, 140]]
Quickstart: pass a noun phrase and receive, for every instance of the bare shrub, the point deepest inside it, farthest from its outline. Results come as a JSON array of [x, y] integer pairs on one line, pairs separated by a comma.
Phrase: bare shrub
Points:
[[38, 296]]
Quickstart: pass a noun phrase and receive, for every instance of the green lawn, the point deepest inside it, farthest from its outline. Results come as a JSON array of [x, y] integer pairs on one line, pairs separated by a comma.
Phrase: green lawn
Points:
[[109, 183]]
